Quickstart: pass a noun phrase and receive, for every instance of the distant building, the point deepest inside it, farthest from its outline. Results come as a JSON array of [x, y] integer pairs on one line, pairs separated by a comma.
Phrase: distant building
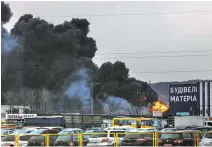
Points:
[[7, 109], [205, 96]]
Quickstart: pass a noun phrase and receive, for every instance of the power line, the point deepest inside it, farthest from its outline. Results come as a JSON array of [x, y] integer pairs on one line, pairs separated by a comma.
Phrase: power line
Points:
[[145, 57], [146, 52], [179, 71], [128, 14]]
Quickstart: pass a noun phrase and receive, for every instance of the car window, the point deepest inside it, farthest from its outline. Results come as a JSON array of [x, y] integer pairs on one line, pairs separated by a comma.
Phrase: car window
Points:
[[209, 135], [46, 132], [78, 131], [120, 133], [187, 135], [66, 132], [25, 138], [174, 136], [5, 133], [96, 134], [36, 132], [29, 131], [8, 138], [60, 129], [63, 138], [53, 131], [203, 129]]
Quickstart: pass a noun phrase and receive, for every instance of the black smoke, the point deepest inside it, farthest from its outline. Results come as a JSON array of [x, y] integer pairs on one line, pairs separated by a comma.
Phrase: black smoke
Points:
[[5, 12], [51, 54]]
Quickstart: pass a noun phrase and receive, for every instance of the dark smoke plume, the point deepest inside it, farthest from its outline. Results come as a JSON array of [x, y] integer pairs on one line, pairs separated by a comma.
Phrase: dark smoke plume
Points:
[[5, 12], [59, 58], [8, 42]]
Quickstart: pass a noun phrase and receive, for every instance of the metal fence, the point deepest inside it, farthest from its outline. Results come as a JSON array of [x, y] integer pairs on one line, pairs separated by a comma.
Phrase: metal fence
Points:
[[105, 139]]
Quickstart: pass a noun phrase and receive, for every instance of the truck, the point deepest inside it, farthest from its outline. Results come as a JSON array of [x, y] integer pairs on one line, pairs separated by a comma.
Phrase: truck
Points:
[[185, 121], [45, 121]]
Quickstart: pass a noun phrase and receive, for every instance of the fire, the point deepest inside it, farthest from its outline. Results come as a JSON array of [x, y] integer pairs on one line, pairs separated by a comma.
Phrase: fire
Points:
[[159, 106]]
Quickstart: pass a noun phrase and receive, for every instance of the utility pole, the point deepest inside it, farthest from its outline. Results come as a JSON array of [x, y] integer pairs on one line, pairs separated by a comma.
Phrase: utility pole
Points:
[[92, 84]]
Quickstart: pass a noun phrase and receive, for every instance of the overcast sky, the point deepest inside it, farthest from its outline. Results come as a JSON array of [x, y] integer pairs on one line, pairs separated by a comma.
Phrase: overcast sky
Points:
[[159, 27]]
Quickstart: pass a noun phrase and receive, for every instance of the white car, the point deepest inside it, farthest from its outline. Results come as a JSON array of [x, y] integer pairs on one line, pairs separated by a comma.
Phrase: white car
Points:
[[106, 137], [207, 139], [147, 130], [23, 140], [6, 132], [71, 130]]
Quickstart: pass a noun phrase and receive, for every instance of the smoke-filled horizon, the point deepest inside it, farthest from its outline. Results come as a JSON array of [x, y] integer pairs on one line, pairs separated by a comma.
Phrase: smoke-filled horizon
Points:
[[59, 58]]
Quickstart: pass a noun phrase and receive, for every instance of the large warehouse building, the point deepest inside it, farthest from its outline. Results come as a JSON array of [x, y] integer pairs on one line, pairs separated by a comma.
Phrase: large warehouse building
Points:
[[191, 99]]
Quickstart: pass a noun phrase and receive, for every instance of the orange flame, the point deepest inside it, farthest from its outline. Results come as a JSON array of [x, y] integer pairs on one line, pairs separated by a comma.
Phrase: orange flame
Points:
[[159, 106]]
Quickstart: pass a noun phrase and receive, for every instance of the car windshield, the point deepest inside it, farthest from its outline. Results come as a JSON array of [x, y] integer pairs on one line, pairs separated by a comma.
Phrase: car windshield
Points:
[[66, 132], [66, 138], [3, 132], [96, 134], [174, 136], [135, 136], [63, 138], [36, 132], [8, 138], [22, 131]]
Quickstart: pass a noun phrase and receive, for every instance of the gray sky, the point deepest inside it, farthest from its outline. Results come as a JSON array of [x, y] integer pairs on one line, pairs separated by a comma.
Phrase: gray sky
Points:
[[139, 34]]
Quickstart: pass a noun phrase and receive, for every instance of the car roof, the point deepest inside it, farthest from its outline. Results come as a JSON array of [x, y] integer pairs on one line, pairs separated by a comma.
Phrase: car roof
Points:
[[204, 127], [119, 128], [187, 131], [53, 127], [72, 129]]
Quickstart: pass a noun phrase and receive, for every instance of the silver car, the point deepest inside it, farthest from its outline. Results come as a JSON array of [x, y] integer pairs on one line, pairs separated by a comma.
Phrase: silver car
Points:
[[206, 140], [106, 137]]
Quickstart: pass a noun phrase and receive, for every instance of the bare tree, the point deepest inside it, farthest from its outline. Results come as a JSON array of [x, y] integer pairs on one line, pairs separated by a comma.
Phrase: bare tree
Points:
[[136, 110], [29, 97], [11, 98], [45, 101]]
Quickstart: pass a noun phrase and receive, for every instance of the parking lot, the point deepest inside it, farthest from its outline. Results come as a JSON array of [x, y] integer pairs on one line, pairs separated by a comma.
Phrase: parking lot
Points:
[[112, 136]]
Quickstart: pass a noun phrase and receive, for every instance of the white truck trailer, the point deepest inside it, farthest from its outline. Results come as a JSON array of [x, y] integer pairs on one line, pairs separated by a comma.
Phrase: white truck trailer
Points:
[[184, 121]]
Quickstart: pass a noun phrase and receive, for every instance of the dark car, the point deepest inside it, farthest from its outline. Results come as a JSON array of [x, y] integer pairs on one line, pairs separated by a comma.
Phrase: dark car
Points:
[[69, 140], [138, 139], [176, 139], [38, 140]]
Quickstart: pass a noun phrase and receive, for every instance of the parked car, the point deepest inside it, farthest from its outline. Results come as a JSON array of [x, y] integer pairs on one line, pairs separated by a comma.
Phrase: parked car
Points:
[[70, 138], [38, 140], [138, 139], [207, 139], [6, 132], [23, 140], [177, 138], [105, 137]]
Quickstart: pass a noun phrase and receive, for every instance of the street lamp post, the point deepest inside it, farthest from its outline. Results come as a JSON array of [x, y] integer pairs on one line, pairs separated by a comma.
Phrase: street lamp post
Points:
[[92, 97]]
